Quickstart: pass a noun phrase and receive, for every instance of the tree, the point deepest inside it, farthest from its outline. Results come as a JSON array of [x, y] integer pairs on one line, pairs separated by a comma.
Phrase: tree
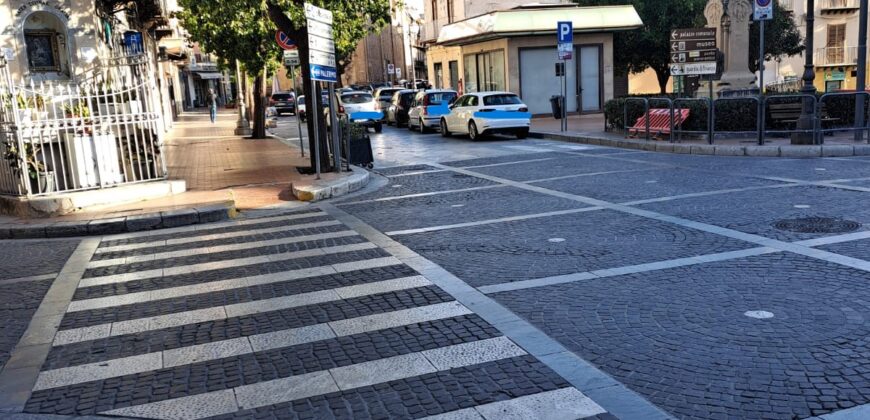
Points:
[[236, 30], [781, 37], [352, 21], [649, 47]]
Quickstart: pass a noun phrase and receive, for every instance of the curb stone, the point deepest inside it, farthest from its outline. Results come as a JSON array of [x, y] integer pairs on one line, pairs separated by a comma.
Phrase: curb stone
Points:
[[321, 190], [809, 151], [136, 223]]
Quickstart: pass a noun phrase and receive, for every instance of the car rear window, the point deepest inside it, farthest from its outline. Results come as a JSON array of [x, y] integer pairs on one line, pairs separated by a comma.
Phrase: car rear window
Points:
[[407, 98], [387, 94], [437, 98], [502, 100], [356, 98], [281, 97]]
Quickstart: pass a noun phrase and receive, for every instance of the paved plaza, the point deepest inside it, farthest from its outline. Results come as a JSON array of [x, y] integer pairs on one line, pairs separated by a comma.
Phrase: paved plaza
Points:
[[501, 279]]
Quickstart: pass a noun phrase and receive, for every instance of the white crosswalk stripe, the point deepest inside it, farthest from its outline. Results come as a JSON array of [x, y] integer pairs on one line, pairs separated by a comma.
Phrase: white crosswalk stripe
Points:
[[220, 248], [217, 265]]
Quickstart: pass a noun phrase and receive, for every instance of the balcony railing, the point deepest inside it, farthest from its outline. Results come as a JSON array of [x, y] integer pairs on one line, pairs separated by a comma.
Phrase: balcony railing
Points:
[[836, 56], [829, 6]]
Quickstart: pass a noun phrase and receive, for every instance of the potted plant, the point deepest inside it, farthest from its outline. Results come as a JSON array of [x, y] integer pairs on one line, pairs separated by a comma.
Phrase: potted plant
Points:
[[41, 179]]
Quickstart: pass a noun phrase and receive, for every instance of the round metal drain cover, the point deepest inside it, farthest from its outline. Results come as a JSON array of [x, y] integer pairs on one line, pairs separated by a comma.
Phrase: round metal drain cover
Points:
[[817, 225]]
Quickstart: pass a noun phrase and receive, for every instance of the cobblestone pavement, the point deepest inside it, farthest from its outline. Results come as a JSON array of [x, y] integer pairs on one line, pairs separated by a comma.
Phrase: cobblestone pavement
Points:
[[493, 280]]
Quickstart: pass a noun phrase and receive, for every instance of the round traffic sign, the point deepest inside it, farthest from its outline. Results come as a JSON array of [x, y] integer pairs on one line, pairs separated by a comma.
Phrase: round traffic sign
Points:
[[284, 41], [763, 3]]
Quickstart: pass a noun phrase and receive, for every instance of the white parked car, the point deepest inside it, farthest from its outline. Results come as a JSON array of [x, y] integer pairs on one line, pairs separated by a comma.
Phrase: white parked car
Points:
[[359, 107], [482, 113], [428, 108]]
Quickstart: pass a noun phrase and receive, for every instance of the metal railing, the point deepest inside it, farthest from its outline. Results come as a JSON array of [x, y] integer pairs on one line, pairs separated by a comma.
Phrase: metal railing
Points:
[[825, 5], [103, 131], [836, 56]]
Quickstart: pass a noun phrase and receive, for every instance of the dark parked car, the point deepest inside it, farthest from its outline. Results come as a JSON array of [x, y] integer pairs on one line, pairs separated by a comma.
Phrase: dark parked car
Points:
[[283, 102], [397, 112]]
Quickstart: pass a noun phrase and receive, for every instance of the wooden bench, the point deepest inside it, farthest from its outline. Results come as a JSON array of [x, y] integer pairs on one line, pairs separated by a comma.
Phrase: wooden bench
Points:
[[790, 113], [659, 122]]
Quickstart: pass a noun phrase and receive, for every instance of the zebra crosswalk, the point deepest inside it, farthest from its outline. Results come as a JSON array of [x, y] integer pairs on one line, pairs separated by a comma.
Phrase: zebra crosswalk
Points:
[[291, 316]]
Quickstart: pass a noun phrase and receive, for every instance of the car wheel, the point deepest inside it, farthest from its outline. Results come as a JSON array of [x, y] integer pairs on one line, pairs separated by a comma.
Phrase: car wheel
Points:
[[423, 129], [473, 134], [379, 128], [523, 133], [444, 131]]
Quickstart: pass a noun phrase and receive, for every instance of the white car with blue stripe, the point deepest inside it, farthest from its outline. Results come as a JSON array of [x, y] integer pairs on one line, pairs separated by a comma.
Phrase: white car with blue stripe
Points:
[[359, 107], [483, 113], [428, 108]]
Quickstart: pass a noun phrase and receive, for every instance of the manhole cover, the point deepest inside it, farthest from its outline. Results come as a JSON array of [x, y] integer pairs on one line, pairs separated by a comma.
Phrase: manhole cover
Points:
[[817, 225]]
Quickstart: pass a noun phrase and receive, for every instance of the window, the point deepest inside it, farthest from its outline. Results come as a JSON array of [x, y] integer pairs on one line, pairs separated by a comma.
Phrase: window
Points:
[[439, 73], [493, 100], [450, 11], [356, 98], [42, 51], [836, 43], [472, 101], [453, 68], [437, 98], [434, 10], [484, 71]]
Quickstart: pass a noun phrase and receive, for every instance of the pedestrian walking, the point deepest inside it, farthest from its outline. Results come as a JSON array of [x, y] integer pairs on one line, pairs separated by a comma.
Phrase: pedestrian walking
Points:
[[212, 104]]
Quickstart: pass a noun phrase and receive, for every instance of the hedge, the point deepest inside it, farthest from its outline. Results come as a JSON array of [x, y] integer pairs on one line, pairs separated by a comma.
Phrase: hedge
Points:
[[732, 115]]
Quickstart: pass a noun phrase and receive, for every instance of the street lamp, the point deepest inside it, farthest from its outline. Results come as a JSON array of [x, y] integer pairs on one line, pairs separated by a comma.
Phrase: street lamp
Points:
[[806, 122], [413, 28]]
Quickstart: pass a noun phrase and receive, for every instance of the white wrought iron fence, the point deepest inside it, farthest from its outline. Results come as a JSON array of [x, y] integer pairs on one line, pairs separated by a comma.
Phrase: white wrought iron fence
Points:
[[100, 132]]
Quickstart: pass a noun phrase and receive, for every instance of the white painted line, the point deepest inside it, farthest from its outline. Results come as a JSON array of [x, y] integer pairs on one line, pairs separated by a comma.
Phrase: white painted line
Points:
[[97, 371], [217, 265], [490, 221], [398, 318], [221, 312], [208, 237], [512, 163], [223, 248], [565, 403], [184, 408], [311, 384], [207, 351], [473, 353], [418, 195], [219, 285], [211, 226], [559, 178], [704, 194], [415, 173], [857, 236]]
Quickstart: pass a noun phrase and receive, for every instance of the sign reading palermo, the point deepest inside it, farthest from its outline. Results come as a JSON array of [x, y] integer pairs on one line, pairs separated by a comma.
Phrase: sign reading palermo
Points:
[[321, 46]]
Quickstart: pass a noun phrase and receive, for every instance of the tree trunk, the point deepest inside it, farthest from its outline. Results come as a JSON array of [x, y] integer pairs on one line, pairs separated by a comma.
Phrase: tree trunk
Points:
[[259, 131], [662, 75]]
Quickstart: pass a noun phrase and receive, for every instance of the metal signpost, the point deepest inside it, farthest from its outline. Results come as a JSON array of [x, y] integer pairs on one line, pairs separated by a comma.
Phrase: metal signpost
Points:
[[321, 64], [565, 43], [291, 61], [762, 10]]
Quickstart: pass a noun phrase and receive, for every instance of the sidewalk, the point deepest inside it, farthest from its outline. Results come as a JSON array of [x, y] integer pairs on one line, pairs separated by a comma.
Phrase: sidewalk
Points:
[[221, 170]]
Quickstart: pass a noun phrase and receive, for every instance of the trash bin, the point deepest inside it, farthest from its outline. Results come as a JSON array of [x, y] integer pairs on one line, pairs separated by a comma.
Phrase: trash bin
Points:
[[556, 104]]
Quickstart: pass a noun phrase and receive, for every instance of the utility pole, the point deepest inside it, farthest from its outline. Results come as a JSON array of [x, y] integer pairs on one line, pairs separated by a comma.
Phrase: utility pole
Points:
[[807, 121], [861, 76]]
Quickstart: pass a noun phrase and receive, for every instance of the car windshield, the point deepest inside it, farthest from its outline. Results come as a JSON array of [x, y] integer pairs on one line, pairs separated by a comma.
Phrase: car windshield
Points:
[[502, 100], [437, 98], [386, 95], [356, 98], [282, 97]]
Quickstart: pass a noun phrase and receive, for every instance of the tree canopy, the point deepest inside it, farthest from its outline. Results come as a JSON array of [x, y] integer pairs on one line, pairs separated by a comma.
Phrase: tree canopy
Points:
[[781, 37]]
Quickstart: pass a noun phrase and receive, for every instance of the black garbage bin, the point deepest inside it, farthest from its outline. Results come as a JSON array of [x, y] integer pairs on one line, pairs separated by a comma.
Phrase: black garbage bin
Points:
[[556, 104]]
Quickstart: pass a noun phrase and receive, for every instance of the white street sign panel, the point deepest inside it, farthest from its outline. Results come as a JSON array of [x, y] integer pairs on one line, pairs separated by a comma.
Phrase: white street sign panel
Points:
[[391, 68], [320, 29], [762, 9], [321, 58], [688, 69], [398, 73], [315, 13], [291, 57], [321, 44]]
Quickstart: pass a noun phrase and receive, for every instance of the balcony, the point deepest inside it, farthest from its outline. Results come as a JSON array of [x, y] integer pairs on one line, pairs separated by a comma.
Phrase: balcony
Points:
[[831, 7], [836, 56]]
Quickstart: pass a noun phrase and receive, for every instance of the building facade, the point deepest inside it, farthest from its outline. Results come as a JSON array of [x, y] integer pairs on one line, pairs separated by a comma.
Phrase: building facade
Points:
[[835, 52], [397, 46], [515, 50]]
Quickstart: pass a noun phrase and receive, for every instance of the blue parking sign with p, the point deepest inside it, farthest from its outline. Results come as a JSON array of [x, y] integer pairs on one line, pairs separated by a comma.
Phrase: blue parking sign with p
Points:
[[565, 32]]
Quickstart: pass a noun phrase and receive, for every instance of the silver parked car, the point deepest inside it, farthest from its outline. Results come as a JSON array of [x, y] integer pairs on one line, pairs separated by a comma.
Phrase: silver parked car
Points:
[[428, 108]]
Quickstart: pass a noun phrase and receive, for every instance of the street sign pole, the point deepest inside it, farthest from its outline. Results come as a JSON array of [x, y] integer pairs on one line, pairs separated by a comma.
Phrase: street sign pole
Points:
[[313, 115], [564, 51], [761, 84], [296, 101], [336, 145]]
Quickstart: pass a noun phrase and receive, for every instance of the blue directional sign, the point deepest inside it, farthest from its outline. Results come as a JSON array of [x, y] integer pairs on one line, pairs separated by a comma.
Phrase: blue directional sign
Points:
[[565, 39], [323, 73]]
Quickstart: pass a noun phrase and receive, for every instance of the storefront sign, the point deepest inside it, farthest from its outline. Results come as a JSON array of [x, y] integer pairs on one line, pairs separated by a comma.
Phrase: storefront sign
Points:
[[30, 4]]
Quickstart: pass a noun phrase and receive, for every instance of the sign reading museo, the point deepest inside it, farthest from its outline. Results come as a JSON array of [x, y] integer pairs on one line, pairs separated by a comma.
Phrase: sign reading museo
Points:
[[693, 51], [321, 47]]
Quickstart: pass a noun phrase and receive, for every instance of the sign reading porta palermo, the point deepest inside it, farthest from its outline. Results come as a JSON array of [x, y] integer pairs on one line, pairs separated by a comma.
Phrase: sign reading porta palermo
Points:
[[321, 47]]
